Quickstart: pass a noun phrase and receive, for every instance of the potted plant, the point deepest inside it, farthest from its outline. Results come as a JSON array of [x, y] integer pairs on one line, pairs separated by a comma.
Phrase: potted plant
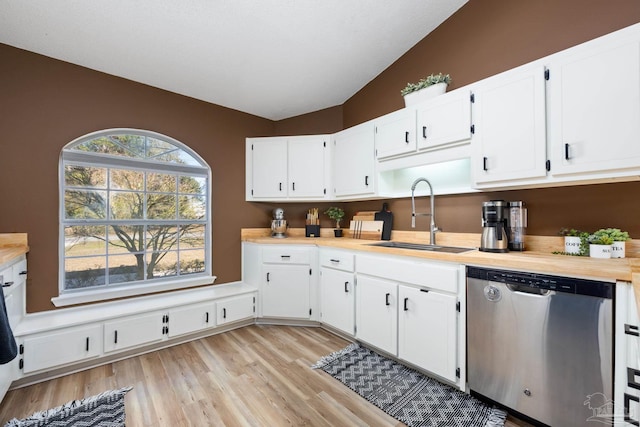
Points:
[[430, 86], [575, 241], [618, 239], [600, 245], [336, 214]]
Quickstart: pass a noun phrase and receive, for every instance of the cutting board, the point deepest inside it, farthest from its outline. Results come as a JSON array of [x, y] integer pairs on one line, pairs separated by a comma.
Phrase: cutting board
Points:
[[368, 230], [387, 218]]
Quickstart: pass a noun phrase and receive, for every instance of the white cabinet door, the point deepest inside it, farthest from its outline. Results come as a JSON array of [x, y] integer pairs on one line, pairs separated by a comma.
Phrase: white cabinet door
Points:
[[428, 331], [307, 163], [444, 119], [237, 308], [377, 313], [509, 141], [354, 161], [191, 318], [594, 120], [58, 348], [337, 296], [133, 331], [395, 133], [269, 168], [285, 291]]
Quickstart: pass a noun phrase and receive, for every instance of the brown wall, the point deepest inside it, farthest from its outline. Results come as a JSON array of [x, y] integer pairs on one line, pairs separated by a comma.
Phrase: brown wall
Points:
[[44, 104]]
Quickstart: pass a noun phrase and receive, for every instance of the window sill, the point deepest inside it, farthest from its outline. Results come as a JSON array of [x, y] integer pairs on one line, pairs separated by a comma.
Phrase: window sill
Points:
[[74, 298]]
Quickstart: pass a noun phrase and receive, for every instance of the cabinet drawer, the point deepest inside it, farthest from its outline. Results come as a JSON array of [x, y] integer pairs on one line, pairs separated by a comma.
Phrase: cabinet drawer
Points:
[[430, 275], [339, 260], [7, 278], [236, 308], [20, 271], [285, 255], [133, 331], [60, 348]]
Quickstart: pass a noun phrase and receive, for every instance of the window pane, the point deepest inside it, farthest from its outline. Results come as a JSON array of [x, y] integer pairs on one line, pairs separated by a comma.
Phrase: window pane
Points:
[[192, 207], [131, 145], [161, 183], [126, 239], [192, 236], [161, 237], [156, 147], [161, 206], [102, 145], [192, 261], [162, 264], [126, 268], [81, 204], [85, 176], [84, 240], [193, 185], [84, 272], [126, 205], [123, 179]]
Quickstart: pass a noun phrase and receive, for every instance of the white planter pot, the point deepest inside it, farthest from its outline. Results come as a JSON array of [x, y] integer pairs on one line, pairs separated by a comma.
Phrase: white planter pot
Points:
[[600, 251], [572, 245], [618, 250], [418, 96]]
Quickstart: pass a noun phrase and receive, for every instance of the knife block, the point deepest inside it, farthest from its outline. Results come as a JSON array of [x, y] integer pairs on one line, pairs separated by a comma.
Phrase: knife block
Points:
[[312, 231]]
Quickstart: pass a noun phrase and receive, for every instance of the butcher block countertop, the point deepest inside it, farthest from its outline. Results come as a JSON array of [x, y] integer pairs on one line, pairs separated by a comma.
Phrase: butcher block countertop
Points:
[[12, 245], [537, 258]]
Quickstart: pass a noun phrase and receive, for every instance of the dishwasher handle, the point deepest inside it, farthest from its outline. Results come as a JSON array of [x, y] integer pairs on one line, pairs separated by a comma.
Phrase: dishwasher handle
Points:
[[528, 290]]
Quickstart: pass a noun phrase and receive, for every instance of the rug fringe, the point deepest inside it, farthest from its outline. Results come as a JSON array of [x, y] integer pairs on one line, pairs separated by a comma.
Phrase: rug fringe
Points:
[[335, 355], [497, 418]]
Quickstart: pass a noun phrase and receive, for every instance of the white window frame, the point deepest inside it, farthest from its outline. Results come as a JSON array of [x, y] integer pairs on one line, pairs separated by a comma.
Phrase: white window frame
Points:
[[84, 295]]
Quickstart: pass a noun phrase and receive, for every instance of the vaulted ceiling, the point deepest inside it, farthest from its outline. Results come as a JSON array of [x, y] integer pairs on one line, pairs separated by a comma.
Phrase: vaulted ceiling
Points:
[[271, 58]]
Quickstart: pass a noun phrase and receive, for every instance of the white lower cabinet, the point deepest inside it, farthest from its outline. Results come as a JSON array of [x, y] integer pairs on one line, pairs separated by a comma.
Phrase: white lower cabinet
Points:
[[62, 347], [230, 310], [191, 318], [427, 330], [377, 313], [337, 296], [134, 331]]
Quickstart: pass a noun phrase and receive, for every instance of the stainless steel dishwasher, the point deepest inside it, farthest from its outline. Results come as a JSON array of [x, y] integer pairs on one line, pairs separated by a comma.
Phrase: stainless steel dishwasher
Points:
[[540, 345]]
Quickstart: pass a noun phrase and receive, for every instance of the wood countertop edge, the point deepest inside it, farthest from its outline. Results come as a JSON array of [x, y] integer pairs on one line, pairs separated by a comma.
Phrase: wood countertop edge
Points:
[[9, 253]]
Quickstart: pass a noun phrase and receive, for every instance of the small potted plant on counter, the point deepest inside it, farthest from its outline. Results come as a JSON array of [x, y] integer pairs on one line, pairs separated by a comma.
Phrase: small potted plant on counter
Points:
[[433, 85], [575, 242], [618, 239], [336, 214], [600, 245]]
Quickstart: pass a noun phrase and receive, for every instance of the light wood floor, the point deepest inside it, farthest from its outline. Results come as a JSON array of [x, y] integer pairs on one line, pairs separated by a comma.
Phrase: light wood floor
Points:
[[253, 376]]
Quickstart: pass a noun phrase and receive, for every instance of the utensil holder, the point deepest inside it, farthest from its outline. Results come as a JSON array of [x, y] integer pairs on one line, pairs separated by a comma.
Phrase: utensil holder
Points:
[[312, 231]]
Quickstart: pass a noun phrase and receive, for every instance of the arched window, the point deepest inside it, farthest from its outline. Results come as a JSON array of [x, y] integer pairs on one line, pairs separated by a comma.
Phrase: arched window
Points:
[[135, 216]]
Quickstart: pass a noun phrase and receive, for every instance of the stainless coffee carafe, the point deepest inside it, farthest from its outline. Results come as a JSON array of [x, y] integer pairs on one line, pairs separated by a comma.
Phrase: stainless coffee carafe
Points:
[[517, 225], [495, 236]]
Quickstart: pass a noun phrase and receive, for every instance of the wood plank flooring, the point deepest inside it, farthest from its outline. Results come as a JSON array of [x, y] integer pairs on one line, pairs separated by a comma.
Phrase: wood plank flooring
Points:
[[252, 376]]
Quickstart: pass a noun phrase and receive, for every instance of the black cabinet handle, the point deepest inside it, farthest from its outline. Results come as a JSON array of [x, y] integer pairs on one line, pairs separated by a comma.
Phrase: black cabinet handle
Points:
[[22, 273], [366, 180], [484, 164], [268, 277], [335, 260], [115, 337], [631, 378], [280, 186], [7, 284], [206, 320], [285, 256], [293, 186], [346, 287], [386, 299], [406, 137], [224, 313], [424, 132], [566, 151], [627, 418], [406, 300], [86, 347], [631, 330]]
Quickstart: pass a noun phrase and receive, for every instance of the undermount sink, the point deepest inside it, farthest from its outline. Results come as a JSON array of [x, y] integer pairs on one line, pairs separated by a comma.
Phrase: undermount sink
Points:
[[421, 247]]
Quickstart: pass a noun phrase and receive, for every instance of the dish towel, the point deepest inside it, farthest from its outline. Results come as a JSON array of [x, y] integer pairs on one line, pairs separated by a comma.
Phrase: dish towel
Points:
[[8, 347]]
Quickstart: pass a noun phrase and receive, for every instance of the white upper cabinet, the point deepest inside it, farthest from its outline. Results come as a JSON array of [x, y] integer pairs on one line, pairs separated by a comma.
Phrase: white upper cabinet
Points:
[[509, 143], [354, 162], [287, 168], [444, 119], [594, 105], [395, 133]]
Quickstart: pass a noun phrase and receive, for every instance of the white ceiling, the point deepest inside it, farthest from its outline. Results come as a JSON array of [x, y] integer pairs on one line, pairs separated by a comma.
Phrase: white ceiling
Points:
[[271, 58]]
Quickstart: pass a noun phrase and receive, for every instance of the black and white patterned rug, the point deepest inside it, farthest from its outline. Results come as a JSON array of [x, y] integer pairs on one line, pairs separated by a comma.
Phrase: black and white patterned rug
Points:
[[405, 394]]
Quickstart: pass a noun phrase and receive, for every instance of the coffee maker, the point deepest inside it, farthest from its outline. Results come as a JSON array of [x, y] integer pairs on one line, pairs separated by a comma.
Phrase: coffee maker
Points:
[[495, 237], [278, 224]]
